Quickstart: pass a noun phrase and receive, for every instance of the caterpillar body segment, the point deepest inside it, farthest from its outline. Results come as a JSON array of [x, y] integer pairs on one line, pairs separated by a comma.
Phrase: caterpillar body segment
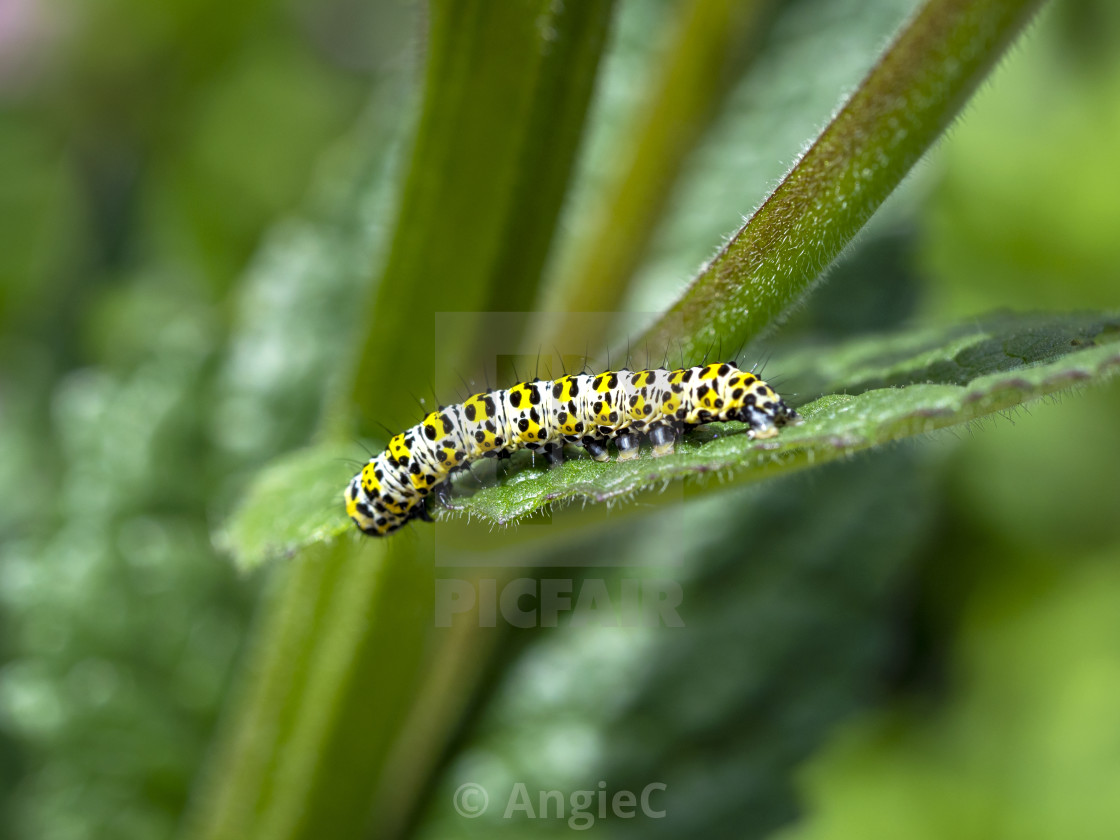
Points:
[[587, 410]]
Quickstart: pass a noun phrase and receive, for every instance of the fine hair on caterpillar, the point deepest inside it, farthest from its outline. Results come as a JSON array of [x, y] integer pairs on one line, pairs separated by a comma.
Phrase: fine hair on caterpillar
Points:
[[584, 409]]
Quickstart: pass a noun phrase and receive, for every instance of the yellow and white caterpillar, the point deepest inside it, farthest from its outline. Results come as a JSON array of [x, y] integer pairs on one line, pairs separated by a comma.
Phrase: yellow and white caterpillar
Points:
[[589, 410]]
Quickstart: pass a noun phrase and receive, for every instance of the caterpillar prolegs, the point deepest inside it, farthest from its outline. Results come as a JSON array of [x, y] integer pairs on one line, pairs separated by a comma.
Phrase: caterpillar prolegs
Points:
[[589, 410]]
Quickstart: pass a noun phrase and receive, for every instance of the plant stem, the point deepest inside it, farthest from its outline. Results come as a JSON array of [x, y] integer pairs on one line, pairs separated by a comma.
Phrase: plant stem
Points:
[[713, 42], [899, 109]]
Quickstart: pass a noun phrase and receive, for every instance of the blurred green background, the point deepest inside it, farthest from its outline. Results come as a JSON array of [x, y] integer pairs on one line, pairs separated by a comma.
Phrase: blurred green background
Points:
[[190, 197]]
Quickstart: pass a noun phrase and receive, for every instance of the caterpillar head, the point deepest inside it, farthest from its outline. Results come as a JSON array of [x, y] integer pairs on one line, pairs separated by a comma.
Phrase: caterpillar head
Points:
[[752, 401]]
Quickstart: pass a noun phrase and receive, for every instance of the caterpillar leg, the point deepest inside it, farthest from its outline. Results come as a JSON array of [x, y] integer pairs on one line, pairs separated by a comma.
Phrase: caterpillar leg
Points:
[[628, 446], [596, 450], [555, 454], [762, 427], [761, 423], [443, 494], [663, 439]]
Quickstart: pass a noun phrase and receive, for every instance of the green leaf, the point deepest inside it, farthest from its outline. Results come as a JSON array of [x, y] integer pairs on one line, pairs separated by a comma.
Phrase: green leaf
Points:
[[878, 390], [968, 373], [293, 503], [903, 105], [951, 355]]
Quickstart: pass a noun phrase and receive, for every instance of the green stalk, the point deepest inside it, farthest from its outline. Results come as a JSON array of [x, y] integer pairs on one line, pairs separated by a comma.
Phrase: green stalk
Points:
[[711, 45], [351, 691], [506, 93], [901, 107]]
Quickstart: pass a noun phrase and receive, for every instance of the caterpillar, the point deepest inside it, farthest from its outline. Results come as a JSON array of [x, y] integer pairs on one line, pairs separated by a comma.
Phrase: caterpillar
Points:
[[589, 410]]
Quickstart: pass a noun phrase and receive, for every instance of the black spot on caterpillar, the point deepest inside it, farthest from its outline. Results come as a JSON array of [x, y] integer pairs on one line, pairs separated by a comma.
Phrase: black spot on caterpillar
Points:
[[583, 409]]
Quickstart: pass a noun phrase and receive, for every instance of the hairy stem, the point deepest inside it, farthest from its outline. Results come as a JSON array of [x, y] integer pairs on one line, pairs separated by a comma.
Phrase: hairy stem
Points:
[[901, 107]]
